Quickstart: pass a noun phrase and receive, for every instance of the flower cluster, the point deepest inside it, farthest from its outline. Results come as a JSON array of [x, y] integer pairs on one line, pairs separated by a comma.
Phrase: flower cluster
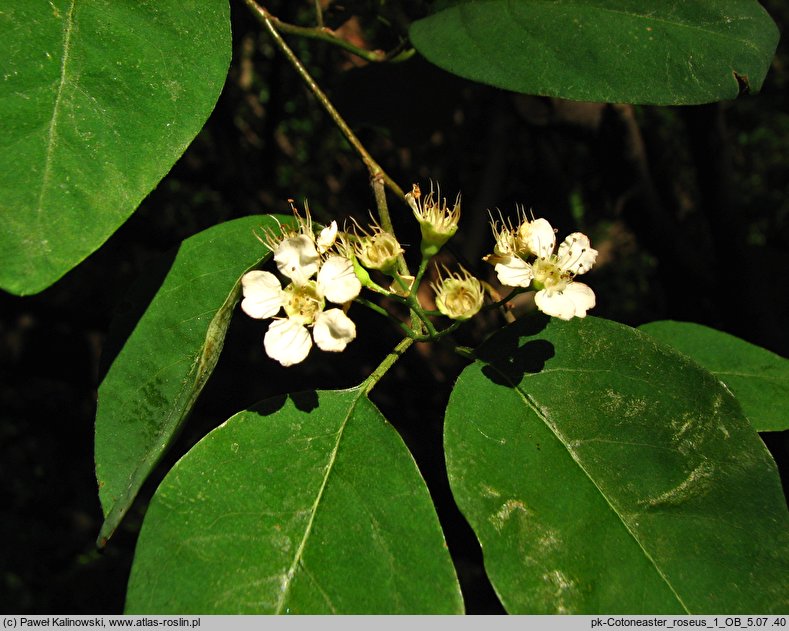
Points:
[[300, 255], [333, 266], [524, 257]]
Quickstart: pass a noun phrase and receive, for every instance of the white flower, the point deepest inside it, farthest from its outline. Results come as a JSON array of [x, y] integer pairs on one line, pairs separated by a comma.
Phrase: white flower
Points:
[[514, 245], [288, 339], [333, 330], [297, 254], [558, 294], [524, 257], [337, 280]]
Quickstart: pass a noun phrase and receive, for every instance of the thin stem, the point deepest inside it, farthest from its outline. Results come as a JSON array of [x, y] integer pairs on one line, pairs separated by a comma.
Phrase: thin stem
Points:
[[380, 201], [271, 24], [318, 13], [371, 305], [381, 311], [386, 220], [465, 351], [437, 335], [386, 364], [416, 309], [502, 301], [419, 274], [322, 33]]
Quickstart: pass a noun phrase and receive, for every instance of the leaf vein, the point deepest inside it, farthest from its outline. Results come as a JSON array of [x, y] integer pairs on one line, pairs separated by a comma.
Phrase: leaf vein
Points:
[[53, 124], [568, 446], [288, 579]]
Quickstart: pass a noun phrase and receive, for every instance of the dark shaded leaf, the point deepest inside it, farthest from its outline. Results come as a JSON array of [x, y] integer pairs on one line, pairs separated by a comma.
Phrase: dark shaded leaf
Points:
[[154, 381]]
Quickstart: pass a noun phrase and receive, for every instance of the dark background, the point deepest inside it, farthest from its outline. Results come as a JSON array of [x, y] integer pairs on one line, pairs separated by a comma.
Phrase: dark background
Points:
[[688, 206]]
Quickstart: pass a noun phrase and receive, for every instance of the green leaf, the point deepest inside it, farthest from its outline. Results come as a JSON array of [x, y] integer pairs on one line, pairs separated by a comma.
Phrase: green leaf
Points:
[[156, 378], [605, 473], [310, 504], [98, 100], [758, 378], [629, 51]]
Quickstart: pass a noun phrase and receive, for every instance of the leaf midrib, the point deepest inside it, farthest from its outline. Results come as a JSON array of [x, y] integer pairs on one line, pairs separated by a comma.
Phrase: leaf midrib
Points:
[[566, 444], [53, 124], [314, 511]]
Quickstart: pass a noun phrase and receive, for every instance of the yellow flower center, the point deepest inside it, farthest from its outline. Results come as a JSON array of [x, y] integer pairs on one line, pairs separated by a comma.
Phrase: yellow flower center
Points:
[[549, 276], [303, 303]]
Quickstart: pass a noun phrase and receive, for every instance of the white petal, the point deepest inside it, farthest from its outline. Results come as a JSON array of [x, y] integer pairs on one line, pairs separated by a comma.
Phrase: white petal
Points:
[[287, 341], [514, 272], [337, 282], [538, 237], [555, 304], [263, 296], [333, 330], [575, 300], [582, 296], [327, 237], [576, 254], [297, 258]]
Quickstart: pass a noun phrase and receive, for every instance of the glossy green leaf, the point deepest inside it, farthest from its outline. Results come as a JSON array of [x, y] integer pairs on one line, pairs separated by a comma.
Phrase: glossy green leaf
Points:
[[155, 379], [310, 504], [98, 99], [758, 378], [629, 51], [604, 472]]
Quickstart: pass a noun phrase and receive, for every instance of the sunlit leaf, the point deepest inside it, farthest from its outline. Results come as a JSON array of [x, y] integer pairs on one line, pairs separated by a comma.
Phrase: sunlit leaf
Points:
[[310, 504], [98, 100], [604, 50], [155, 379], [606, 473], [758, 378]]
